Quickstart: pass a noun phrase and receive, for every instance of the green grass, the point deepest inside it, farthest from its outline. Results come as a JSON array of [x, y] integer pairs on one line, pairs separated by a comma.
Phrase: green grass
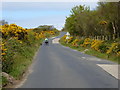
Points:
[[4, 81], [95, 53], [103, 55], [23, 60], [19, 57]]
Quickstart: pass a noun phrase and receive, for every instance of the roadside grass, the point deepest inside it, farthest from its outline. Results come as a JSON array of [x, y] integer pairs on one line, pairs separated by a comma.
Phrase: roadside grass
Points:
[[103, 55], [22, 61], [4, 81], [94, 53]]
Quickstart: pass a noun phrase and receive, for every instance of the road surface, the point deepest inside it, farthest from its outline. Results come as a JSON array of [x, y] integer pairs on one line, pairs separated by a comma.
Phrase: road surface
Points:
[[57, 66]]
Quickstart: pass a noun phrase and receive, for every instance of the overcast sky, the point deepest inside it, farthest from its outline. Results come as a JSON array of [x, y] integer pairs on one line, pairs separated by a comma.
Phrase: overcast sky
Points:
[[33, 14]]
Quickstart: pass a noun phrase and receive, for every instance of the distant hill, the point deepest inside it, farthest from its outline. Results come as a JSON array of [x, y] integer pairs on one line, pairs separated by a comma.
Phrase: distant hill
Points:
[[2, 22]]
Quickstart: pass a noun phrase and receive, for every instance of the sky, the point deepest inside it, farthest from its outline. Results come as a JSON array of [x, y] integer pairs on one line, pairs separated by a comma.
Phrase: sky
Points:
[[34, 14]]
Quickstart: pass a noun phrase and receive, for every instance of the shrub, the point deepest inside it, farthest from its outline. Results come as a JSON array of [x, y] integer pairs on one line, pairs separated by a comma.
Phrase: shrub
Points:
[[81, 42], [70, 40], [75, 42], [63, 39], [95, 44], [87, 42], [103, 48], [115, 48], [7, 58], [4, 81], [118, 53]]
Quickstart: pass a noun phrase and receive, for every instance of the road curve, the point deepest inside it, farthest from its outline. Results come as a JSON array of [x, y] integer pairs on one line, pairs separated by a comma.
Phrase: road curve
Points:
[[57, 66]]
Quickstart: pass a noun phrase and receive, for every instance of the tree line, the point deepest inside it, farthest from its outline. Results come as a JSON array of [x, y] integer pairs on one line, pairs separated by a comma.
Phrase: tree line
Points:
[[45, 28], [102, 23]]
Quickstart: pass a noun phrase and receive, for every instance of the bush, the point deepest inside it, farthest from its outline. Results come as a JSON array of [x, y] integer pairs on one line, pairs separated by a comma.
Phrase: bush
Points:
[[81, 42], [103, 48], [70, 40], [75, 42], [95, 44], [63, 39], [7, 57], [87, 42], [115, 48], [4, 81]]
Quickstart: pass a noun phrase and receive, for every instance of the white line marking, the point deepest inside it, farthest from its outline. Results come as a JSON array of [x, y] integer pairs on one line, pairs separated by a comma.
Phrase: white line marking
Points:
[[111, 69], [83, 57], [93, 59], [74, 50]]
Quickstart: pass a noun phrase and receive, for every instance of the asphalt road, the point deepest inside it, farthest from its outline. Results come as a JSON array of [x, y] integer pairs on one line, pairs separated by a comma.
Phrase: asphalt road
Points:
[[57, 66]]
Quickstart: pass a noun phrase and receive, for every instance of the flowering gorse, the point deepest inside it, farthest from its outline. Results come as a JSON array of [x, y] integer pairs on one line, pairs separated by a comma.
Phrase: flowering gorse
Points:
[[70, 39], [115, 48], [95, 44], [75, 42], [87, 42]]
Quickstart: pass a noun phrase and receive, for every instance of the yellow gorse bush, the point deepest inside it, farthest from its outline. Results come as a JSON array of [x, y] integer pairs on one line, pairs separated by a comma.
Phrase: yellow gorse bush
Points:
[[98, 45], [13, 30], [118, 53], [64, 38], [20, 34], [3, 49], [95, 44], [52, 32], [87, 41], [74, 43], [103, 22], [113, 48], [42, 34]]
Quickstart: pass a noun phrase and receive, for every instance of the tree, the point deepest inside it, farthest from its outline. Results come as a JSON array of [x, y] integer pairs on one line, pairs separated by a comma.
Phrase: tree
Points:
[[102, 22]]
